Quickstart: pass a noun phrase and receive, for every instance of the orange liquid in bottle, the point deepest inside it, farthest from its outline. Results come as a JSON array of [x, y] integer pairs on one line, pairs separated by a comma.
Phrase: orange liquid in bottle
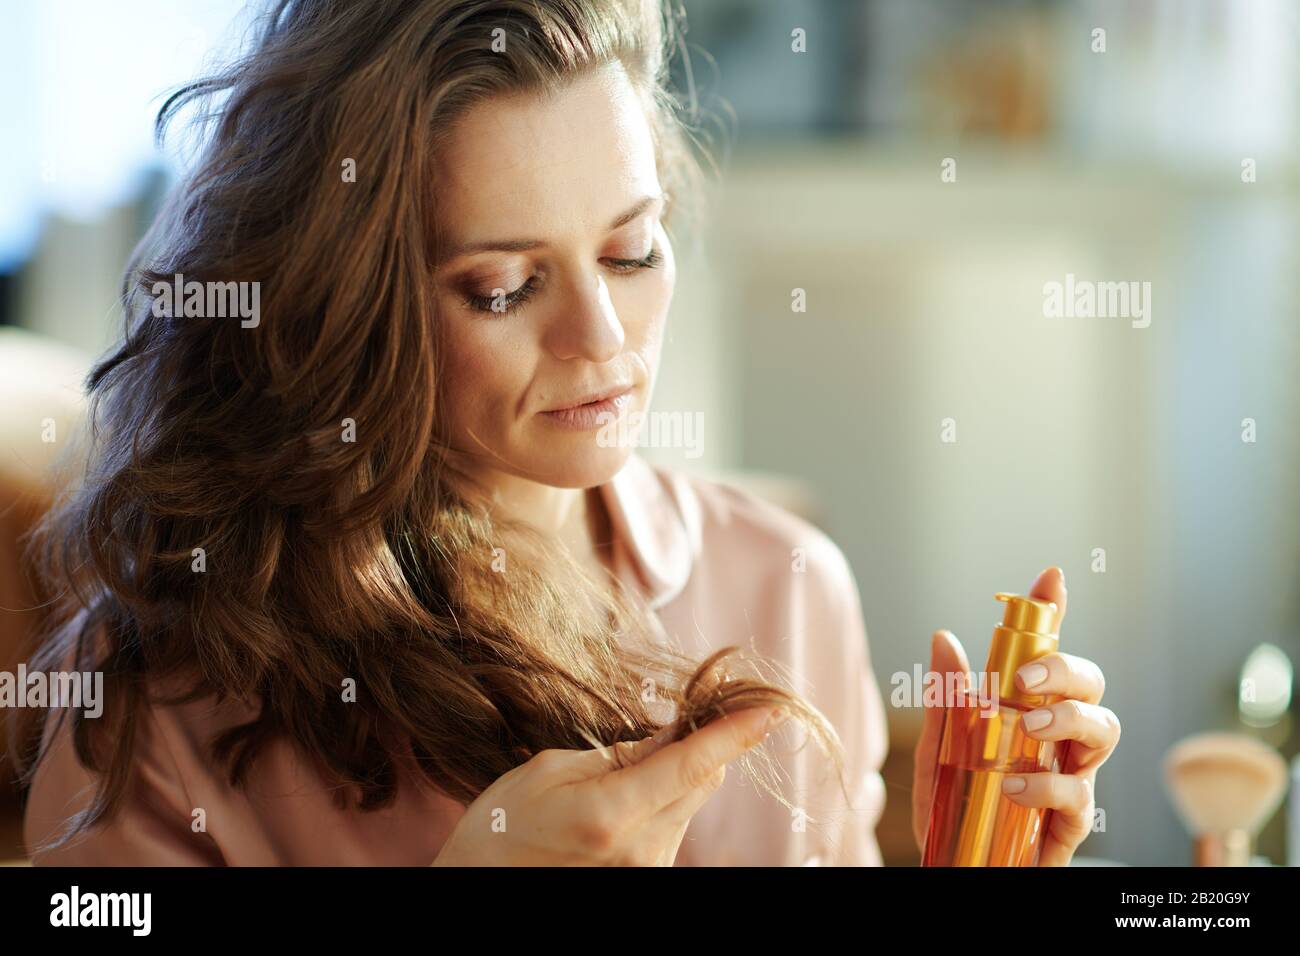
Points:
[[972, 823]]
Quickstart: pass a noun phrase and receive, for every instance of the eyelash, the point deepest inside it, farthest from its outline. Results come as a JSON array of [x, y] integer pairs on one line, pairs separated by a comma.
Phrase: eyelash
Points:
[[483, 303]]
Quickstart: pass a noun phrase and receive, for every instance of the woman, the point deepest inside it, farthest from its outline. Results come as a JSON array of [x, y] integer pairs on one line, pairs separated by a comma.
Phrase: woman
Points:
[[368, 581]]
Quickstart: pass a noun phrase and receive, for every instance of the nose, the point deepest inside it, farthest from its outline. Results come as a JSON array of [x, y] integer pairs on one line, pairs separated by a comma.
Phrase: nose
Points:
[[587, 326]]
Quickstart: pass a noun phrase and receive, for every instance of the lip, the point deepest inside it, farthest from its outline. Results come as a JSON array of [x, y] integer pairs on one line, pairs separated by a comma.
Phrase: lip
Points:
[[604, 407], [612, 392]]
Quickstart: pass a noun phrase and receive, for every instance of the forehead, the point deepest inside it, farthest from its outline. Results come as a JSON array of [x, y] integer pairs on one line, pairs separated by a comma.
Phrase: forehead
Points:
[[530, 166]]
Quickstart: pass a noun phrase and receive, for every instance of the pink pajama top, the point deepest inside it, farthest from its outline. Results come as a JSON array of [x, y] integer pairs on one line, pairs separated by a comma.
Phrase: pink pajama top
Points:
[[718, 565]]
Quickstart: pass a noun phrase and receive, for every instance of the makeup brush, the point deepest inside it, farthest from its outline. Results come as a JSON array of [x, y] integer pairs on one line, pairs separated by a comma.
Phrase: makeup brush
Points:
[[1225, 786]]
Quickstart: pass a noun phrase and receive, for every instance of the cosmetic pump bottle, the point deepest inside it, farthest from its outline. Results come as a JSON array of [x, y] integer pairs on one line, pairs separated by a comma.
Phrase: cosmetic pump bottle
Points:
[[972, 823]]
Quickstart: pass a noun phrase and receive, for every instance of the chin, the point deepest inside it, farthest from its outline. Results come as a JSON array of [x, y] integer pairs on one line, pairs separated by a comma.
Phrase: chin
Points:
[[581, 463]]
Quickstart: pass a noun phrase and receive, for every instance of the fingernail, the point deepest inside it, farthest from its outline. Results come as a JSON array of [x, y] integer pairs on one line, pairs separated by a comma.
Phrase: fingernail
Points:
[[1037, 719], [1013, 784], [775, 719], [664, 734], [1032, 674]]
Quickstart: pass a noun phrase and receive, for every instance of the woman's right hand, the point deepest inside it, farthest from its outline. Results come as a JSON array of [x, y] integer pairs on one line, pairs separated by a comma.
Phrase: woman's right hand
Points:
[[574, 808]]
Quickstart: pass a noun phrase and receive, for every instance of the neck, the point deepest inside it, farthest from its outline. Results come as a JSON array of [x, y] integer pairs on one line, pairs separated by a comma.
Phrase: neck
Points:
[[575, 516], [548, 509]]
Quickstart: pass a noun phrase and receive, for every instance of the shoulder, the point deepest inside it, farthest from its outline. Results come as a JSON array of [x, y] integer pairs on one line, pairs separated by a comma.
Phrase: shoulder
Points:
[[150, 825], [151, 821]]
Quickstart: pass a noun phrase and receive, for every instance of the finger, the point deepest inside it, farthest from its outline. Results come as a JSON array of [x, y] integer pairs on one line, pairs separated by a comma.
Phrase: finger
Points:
[[1091, 724], [947, 656], [668, 855], [1070, 798], [584, 765], [1066, 793], [1064, 674], [1067, 832], [675, 769], [1050, 586], [670, 823], [601, 760]]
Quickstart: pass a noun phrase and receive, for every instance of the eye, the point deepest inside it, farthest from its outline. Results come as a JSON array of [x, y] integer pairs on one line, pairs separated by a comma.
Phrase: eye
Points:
[[502, 302], [624, 266]]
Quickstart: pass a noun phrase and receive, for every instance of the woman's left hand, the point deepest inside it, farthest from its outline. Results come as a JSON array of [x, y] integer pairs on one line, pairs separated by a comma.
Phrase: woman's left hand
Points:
[[1092, 730]]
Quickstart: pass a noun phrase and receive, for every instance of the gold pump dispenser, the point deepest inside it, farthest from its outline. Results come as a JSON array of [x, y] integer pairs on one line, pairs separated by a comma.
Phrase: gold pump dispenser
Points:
[[1025, 634]]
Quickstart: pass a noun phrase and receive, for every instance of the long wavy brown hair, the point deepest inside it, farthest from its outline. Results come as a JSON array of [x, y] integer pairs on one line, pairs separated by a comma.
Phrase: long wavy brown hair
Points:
[[326, 560]]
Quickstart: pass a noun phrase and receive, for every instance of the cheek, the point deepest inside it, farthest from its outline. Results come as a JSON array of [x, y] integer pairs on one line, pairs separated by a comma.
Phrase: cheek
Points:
[[651, 308], [484, 372]]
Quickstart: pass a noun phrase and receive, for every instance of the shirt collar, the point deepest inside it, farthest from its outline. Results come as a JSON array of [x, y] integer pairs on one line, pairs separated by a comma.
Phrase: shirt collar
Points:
[[656, 517]]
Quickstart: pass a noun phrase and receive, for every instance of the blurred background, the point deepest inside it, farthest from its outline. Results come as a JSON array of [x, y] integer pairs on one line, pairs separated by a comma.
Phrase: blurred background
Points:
[[860, 326]]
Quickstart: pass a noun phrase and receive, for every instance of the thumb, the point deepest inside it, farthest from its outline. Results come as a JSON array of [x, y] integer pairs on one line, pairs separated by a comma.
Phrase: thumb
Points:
[[947, 656]]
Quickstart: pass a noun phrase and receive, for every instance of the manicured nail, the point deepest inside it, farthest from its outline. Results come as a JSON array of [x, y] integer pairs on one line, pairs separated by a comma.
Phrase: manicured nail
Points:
[[1037, 719], [1013, 784], [1032, 674]]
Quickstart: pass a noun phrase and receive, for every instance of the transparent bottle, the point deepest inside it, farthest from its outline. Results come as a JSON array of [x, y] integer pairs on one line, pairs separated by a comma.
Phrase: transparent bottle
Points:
[[972, 823]]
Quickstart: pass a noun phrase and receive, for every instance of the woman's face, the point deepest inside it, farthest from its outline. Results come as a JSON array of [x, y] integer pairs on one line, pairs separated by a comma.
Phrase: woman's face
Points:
[[554, 279]]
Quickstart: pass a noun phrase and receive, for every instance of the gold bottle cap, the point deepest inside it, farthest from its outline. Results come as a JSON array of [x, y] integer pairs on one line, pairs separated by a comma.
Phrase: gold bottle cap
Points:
[[1027, 614], [1025, 634]]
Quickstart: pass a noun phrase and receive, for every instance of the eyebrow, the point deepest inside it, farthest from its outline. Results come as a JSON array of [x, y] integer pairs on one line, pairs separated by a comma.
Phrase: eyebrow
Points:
[[522, 245]]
